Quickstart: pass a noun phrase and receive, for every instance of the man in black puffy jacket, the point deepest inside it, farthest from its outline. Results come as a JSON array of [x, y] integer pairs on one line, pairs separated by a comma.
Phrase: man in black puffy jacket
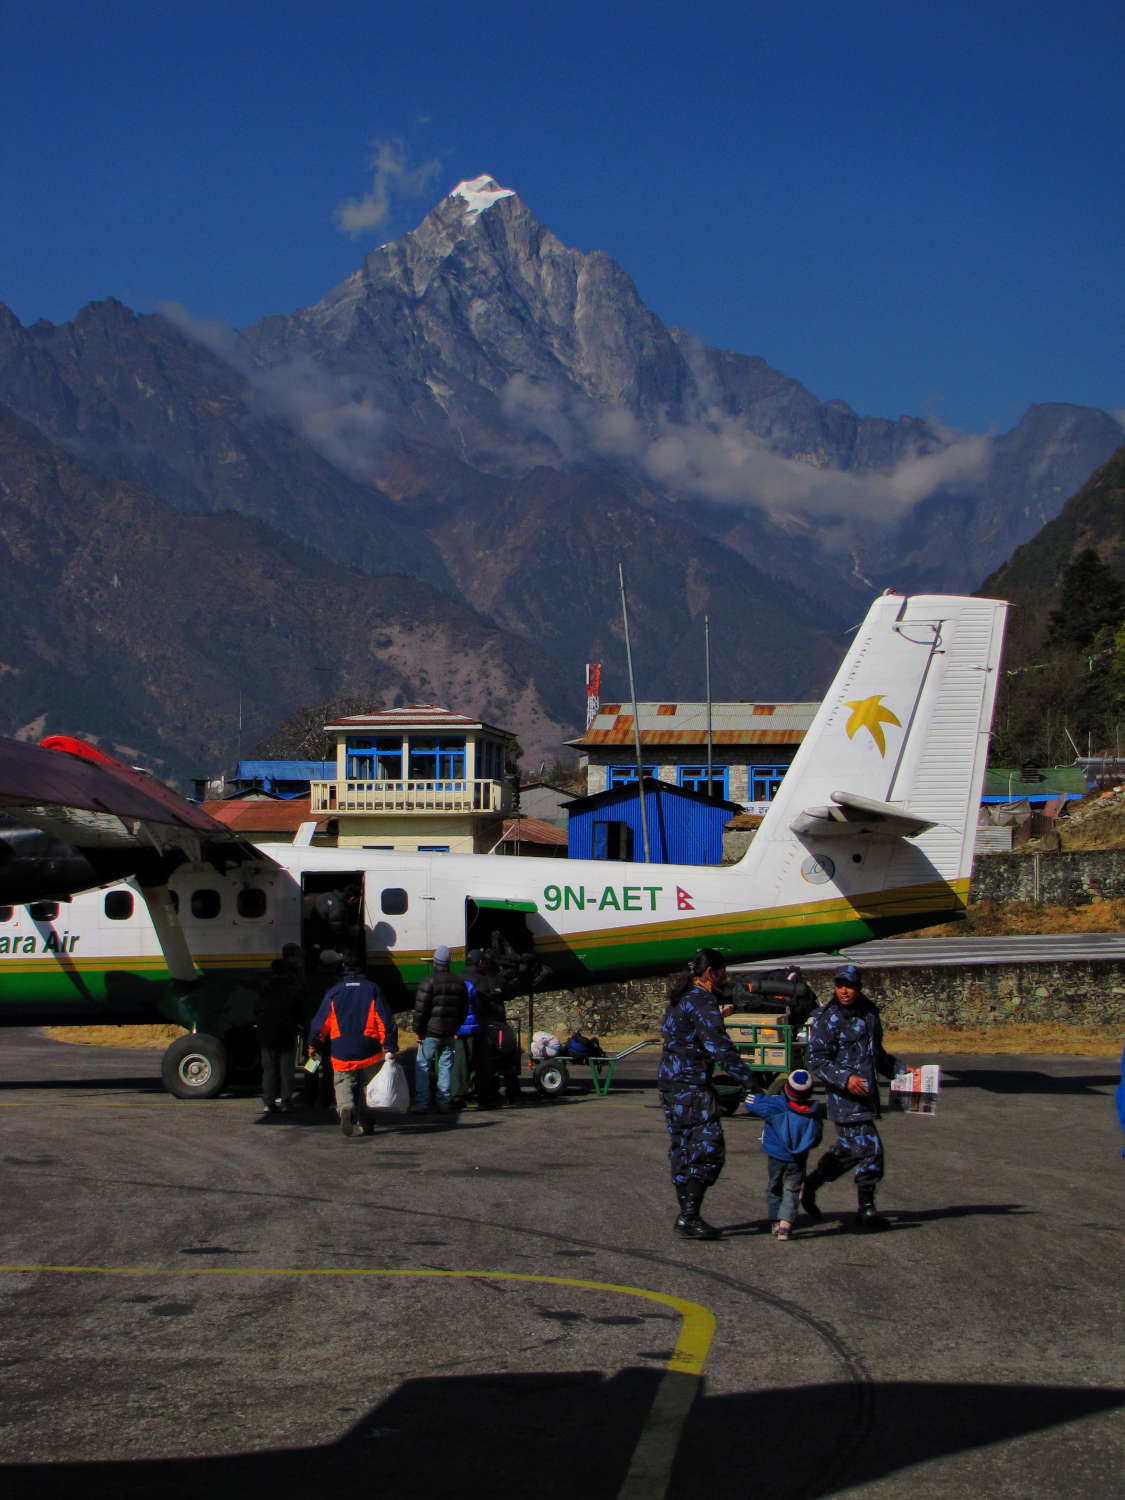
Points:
[[441, 1004]]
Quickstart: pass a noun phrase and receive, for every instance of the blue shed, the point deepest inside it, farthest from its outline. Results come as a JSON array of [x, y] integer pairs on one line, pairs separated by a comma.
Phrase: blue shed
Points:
[[685, 827], [285, 778]]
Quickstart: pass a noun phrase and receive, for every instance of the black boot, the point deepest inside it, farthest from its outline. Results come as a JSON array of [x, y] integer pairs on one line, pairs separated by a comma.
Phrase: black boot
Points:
[[689, 1223], [866, 1217], [816, 1179]]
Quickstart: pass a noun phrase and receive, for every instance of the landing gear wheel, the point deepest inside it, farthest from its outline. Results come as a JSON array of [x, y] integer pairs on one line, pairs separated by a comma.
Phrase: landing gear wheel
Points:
[[194, 1067], [550, 1078]]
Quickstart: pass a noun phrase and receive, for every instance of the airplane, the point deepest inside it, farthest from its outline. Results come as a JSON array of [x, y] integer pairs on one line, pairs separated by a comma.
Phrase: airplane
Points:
[[125, 903]]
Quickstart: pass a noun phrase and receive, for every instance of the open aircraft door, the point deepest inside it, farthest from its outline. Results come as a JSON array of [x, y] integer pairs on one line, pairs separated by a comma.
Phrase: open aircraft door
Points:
[[499, 924], [331, 914]]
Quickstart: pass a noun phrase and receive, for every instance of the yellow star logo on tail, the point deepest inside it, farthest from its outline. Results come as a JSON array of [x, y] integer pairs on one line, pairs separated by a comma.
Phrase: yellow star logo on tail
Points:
[[869, 714]]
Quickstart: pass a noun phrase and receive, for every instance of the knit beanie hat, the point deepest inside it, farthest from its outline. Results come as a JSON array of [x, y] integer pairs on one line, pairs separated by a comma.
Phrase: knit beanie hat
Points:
[[441, 957], [799, 1086]]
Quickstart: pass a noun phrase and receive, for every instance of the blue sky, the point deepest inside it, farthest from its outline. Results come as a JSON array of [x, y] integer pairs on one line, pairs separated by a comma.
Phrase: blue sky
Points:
[[918, 209]]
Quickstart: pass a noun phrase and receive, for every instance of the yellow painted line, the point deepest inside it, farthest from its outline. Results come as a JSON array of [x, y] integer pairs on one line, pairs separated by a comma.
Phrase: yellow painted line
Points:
[[650, 1469]]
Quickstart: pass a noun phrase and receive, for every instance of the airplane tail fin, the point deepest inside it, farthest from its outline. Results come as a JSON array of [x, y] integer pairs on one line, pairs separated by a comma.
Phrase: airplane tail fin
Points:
[[881, 802]]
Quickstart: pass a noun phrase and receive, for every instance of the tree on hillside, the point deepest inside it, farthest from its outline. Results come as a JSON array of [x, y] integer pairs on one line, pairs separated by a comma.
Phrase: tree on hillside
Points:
[[302, 735], [1090, 600]]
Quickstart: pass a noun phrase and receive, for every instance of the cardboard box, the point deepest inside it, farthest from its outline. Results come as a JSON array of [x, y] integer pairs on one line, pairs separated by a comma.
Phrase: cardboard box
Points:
[[915, 1091]]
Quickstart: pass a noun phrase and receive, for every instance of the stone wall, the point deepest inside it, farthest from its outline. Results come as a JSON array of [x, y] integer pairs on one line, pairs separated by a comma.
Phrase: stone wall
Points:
[[970, 995], [1086, 993], [1071, 878]]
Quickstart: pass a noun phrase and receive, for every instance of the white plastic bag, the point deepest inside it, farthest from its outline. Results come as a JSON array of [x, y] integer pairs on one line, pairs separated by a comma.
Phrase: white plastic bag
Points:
[[543, 1044], [389, 1090]]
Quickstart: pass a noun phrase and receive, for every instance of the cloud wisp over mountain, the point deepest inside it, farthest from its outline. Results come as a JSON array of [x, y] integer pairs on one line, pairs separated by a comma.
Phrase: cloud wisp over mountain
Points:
[[393, 176]]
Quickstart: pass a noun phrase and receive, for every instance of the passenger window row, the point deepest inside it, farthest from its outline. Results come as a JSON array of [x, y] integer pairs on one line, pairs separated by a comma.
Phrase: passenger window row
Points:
[[206, 904]]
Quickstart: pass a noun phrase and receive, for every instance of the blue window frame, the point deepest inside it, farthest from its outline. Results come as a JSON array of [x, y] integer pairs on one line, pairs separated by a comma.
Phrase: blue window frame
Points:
[[378, 759], [764, 782], [359, 761], [437, 760], [695, 779], [626, 775], [388, 758]]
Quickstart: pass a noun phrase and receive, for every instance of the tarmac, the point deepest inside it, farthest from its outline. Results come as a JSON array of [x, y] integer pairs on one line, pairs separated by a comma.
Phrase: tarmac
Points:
[[198, 1299]]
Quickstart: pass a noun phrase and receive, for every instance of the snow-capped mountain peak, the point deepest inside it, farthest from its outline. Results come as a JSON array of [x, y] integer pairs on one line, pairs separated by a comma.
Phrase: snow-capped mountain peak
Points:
[[480, 193]]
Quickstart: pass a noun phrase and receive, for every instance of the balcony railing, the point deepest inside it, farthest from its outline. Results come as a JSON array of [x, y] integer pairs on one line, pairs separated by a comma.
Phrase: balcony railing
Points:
[[405, 796]]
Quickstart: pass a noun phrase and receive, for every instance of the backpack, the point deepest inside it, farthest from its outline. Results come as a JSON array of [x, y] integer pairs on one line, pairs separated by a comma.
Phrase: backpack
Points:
[[581, 1047]]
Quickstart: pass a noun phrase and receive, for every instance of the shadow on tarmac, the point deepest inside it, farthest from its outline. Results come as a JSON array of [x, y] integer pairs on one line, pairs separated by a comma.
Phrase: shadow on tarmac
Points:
[[901, 1218], [320, 1119], [1023, 1081], [146, 1083], [566, 1434]]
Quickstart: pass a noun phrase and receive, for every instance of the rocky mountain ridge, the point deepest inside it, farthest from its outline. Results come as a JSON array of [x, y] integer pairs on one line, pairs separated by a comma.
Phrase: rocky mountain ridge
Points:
[[481, 411]]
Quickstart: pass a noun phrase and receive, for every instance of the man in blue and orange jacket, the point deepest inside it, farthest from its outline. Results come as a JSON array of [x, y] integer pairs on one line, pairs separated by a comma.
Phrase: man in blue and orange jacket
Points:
[[357, 1020]]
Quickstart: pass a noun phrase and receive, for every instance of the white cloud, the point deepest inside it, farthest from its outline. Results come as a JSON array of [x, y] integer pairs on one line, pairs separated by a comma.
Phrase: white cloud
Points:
[[330, 411], [718, 458], [220, 338], [393, 176], [722, 460]]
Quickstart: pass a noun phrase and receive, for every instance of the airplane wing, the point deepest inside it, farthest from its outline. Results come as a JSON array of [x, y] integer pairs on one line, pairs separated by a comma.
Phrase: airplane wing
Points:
[[850, 814], [73, 818]]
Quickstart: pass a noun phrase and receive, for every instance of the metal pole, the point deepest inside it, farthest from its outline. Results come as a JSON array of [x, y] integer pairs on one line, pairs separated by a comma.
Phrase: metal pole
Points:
[[707, 658], [636, 721]]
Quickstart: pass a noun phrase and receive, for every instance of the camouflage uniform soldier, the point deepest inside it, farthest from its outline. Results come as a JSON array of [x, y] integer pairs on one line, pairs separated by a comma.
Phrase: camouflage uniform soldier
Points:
[[846, 1052], [694, 1041]]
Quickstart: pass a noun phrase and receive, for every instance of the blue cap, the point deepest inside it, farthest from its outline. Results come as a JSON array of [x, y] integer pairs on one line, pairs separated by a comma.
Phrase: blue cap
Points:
[[846, 974], [442, 957]]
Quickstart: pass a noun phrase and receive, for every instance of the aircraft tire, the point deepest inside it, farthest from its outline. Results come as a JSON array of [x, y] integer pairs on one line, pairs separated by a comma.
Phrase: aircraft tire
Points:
[[550, 1078], [194, 1067]]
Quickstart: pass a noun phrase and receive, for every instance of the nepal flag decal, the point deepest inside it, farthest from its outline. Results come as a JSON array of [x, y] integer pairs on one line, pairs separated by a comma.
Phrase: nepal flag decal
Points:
[[684, 902]]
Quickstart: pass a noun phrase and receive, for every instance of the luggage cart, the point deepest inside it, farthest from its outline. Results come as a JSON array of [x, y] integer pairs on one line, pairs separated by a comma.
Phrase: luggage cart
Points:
[[769, 1049], [550, 1075]]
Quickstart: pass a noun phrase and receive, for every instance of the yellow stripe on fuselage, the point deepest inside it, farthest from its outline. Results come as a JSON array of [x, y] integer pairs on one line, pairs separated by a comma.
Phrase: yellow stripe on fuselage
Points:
[[872, 906]]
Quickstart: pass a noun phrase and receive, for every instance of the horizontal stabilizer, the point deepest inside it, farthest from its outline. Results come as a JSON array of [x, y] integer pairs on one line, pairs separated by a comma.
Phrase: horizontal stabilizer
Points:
[[850, 814]]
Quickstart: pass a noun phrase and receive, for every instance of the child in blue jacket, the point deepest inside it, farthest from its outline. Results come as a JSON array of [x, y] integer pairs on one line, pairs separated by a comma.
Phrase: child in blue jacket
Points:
[[794, 1125]]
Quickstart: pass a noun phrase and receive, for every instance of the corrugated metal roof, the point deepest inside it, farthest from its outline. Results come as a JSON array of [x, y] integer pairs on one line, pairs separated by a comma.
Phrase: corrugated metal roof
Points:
[[411, 716], [742, 723], [285, 770], [284, 815], [534, 831], [654, 785], [1010, 785]]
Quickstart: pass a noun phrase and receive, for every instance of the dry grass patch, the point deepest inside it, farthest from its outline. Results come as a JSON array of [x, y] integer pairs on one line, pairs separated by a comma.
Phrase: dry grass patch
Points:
[[1041, 1038], [1024, 918], [158, 1035]]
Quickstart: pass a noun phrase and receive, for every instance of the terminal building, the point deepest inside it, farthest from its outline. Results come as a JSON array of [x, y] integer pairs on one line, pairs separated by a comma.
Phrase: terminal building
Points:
[[752, 745]]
